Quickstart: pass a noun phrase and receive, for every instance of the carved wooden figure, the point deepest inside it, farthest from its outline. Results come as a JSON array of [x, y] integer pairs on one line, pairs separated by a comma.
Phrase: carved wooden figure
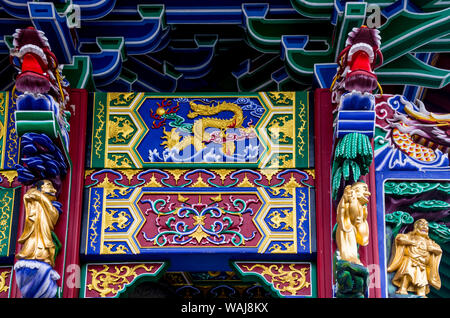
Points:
[[416, 260], [352, 226]]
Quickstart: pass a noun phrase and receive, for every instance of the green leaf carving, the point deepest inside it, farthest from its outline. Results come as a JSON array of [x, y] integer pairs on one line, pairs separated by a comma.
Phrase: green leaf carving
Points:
[[352, 158], [413, 188], [430, 205], [398, 218], [439, 232]]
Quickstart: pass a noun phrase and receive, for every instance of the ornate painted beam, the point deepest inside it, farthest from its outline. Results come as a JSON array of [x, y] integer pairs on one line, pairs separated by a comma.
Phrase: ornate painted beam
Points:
[[79, 73], [9, 142], [257, 74], [94, 9], [5, 281], [192, 62], [265, 34], [107, 64], [260, 133], [10, 206], [148, 34], [17, 9], [408, 70], [314, 9], [406, 31], [7, 27], [281, 279], [110, 280], [272, 217], [301, 61], [403, 34], [397, 150], [440, 45], [157, 77], [45, 18]]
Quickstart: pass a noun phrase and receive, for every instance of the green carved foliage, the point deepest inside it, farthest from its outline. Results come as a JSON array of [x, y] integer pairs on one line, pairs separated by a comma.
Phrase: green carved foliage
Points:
[[398, 219], [430, 205], [351, 279], [402, 188], [352, 159], [439, 233]]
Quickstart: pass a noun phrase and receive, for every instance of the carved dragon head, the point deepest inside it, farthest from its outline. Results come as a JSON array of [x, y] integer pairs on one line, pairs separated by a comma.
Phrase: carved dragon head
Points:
[[39, 71], [39, 78], [357, 61], [418, 132]]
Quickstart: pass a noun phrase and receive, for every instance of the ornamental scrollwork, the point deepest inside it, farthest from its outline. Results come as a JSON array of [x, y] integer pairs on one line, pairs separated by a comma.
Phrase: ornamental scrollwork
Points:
[[106, 282], [290, 280], [226, 226], [3, 284], [98, 144], [5, 216]]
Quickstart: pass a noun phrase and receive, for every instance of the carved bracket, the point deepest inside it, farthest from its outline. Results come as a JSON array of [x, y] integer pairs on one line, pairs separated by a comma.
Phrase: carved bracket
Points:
[[111, 280], [282, 279]]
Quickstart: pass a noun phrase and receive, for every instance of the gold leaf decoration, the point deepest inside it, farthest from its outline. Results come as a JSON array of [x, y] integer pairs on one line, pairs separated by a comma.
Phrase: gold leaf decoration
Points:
[[106, 282]]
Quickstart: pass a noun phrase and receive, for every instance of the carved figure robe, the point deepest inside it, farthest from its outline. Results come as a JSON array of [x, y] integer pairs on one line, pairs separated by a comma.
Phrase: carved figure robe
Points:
[[352, 226], [417, 257], [41, 217]]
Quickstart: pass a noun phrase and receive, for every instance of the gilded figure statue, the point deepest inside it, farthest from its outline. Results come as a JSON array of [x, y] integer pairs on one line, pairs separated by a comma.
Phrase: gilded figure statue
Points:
[[416, 260], [40, 220], [352, 226]]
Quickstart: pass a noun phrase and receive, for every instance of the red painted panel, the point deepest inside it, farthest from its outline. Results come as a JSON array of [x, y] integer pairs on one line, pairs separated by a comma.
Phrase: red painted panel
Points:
[[77, 150], [323, 133]]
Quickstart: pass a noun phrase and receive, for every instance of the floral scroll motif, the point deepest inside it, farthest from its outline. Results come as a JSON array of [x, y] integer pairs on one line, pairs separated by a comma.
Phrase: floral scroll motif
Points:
[[120, 129], [217, 223], [3, 281], [282, 98], [97, 207], [122, 179], [109, 283], [98, 143], [122, 99], [288, 280], [5, 220], [303, 209], [301, 126]]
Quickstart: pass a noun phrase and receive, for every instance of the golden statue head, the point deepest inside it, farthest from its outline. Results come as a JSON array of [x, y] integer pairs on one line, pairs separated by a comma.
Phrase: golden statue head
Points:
[[361, 192], [46, 186], [421, 227]]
